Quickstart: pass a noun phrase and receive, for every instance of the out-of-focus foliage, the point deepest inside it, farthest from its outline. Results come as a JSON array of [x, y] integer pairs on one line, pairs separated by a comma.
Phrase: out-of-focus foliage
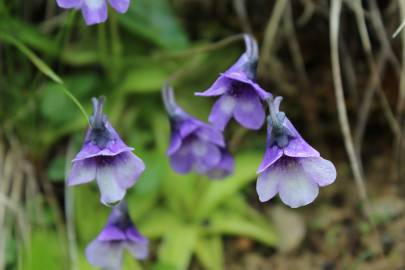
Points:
[[46, 52]]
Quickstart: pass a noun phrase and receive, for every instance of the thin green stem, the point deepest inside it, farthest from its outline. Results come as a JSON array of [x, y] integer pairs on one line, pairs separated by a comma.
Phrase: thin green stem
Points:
[[75, 101]]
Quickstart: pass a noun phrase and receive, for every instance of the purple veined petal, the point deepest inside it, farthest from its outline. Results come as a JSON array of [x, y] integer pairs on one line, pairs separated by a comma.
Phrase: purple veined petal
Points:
[[120, 6], [322, 171], [104, 254], [268, 182], [219, 87], [134, 235], [222, 111], [296, 188], [69, 3], [206, 155], [139, 250], [181, 161], [249, 110], [208, 133], [224, 168], [110, 190], [272, 154], [94, 11], [298, 147], [128, 167], [111, 233], [263, 94], [175, 143], [82, 171]]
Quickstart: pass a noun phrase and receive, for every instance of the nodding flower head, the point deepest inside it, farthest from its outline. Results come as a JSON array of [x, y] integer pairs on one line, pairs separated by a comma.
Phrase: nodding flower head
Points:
[[290, 166], [94, 11], [105, 158], [240, 96], [120, 233], [195, 145]]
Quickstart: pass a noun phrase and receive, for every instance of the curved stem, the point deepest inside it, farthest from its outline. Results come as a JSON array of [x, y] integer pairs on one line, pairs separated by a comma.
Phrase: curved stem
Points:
[[168, 99], [252, 49], [75, 101]]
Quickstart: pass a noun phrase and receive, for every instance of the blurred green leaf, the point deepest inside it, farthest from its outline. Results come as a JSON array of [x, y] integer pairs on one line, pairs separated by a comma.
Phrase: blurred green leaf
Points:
[[158, 222], [56, 170], [144, 80], [232, 223], [155, 20], [218, 191], [44, 68], [45, 251], [209, 251], [177, 246]]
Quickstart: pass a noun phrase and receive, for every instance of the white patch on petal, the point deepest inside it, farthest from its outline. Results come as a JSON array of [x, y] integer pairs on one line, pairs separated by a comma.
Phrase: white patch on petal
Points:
[[83, 171], [105, 255], [199, 148], [228, 104], [247, 106], [321, 171], [296, 188], [94, 4], [138, 250], [107, 182], [267, 183]]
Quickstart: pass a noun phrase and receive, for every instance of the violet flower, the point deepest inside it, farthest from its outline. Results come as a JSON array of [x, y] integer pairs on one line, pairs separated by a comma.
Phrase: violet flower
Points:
[[120, 233], [95, 11], [105, 158], [241, 97], [195, 145], [290, 167]]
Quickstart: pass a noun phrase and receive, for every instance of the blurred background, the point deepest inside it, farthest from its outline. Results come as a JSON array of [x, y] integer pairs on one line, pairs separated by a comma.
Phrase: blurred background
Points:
[[337, 66]]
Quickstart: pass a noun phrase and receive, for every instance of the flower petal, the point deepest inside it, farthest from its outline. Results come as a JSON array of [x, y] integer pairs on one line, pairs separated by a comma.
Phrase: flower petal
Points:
[[268, 183], [94, 11], [104, 254], [111, 233], [222, 111], [272, 154], [322, 171], [208, 133], [175, 142], [206, 155], [82, 171], [138, 250], [249, 110], [111, 191], [181, 161], [69, 3], [120, 6], [128, 168], [224, 168], [298, 147], [219, 87], [296, 188]]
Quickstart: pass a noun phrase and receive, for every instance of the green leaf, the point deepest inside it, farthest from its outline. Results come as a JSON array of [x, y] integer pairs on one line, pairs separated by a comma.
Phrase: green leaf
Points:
[[209, 251], [158, 222], [177, 247], [155, 20], [56, 170], [232, 223], [218, 191], [144, 80], [44, 68]]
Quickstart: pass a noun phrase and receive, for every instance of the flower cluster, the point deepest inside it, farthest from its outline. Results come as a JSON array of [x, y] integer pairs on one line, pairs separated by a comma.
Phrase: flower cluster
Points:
[[107, 159], [195, 145], [95, 11]]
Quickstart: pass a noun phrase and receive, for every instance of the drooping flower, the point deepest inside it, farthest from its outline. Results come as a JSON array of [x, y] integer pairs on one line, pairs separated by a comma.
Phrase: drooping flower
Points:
[[105, 158], [241, 97], [120, 233], [195, 145], [290, 166], [95, 11]]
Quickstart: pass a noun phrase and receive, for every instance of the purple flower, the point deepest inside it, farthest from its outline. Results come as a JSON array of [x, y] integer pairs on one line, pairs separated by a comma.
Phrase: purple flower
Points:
[[195, 145], [106, 158], [290, 167], [106, 251], [95, 11], [241, 97]]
